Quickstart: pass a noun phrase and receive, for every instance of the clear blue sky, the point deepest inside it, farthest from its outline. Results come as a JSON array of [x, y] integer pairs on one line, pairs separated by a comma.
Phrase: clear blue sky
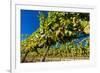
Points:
[[30, 21]]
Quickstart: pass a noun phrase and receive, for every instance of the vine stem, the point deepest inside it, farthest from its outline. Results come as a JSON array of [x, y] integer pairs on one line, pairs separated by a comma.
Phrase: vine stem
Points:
[[23, 60], [44, 57]]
